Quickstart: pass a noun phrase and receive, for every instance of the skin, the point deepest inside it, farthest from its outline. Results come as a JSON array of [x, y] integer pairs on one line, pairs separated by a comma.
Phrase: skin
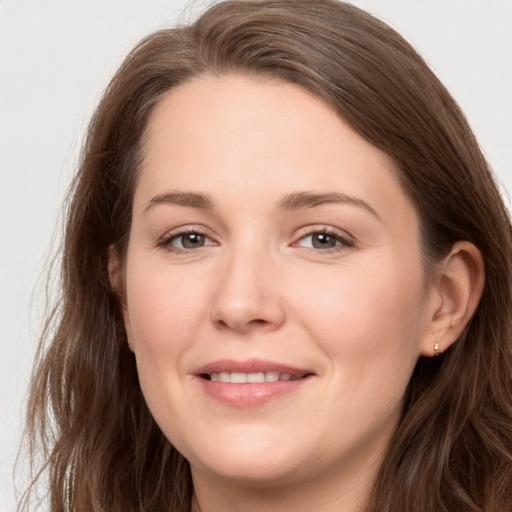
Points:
[[356, 312]]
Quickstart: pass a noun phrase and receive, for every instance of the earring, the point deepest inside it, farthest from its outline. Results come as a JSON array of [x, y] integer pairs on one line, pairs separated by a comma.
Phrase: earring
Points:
[[436, 349]]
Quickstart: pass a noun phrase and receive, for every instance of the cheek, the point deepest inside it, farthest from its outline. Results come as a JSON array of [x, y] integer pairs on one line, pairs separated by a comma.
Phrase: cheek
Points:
[[366, 315], [367, 320], [164, 312], [164, 309]]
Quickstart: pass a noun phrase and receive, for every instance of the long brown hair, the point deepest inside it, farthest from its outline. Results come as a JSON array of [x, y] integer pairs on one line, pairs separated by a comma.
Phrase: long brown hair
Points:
[[453, 448]]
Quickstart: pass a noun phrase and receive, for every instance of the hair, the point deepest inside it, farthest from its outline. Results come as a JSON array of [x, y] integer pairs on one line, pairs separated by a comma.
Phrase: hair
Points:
[[452, 451]]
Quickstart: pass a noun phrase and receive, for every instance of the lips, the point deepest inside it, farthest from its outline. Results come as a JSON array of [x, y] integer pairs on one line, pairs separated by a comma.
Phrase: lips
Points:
[[251, 370], [251, 382], [252, 378]]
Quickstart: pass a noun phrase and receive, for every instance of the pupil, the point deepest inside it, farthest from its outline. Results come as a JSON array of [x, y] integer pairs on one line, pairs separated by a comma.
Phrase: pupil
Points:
[[193, 240], [323, 241]]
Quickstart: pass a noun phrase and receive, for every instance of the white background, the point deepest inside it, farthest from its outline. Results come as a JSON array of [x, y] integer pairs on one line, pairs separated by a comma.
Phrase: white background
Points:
[[56, 56]]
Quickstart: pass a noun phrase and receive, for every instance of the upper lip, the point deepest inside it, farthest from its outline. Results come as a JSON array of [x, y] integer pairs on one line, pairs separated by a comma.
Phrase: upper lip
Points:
[[249, 366]]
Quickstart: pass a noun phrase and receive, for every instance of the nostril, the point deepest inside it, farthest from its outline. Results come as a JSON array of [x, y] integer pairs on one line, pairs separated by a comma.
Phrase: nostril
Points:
[[221, 324], [239, 325]]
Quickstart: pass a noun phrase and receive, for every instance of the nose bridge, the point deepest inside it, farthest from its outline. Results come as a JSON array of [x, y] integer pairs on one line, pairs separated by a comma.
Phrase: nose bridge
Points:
[[248, 293]]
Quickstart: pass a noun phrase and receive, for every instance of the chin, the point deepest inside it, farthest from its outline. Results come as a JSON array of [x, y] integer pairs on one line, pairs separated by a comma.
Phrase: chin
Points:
[[252, 456], [266, 472]]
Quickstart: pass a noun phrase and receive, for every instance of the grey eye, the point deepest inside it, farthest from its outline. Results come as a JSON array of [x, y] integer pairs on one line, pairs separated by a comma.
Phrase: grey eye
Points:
[[189, 241], [323, 241]]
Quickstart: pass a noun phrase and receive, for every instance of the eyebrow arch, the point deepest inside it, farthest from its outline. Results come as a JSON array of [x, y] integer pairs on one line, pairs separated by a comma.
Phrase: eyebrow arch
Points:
[[293, 201], [299, 200], [190, 199]]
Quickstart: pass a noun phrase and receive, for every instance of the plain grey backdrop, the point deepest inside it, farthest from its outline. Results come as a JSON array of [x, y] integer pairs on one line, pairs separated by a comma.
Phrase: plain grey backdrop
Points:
[[56, 56]]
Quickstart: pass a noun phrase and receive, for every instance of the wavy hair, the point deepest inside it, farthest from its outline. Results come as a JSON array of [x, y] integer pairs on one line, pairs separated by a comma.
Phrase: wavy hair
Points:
[[452, 451]]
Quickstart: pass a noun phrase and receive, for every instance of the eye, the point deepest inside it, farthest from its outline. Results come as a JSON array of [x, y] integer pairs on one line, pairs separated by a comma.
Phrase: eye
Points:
[[189, 241], [321, 241], [184, 241], [325, 240]]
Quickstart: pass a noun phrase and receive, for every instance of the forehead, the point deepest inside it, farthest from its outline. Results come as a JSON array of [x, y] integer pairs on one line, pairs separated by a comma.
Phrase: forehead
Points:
[[261, 137], [256, 110]]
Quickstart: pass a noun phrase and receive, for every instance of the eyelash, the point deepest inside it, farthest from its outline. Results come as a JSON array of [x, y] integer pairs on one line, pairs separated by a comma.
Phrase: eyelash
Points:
[[342, 242], [166, 241]]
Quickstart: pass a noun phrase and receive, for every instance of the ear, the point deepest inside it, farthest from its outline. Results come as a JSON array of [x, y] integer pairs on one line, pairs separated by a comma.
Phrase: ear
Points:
[[458, 289], [115, 272], [117, 282]]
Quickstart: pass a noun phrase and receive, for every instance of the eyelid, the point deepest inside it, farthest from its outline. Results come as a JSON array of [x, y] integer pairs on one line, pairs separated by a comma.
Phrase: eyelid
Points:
[[165, 240], [346, 240]]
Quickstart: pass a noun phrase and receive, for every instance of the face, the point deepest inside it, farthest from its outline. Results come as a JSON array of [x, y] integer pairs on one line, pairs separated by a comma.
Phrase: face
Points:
[[275, 297]]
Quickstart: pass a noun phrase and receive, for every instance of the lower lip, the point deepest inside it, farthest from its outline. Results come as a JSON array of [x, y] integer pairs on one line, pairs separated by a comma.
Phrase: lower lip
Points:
[[250, 394]]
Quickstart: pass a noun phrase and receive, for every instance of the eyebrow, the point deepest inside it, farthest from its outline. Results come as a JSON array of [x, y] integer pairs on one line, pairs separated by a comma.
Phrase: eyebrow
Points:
[[300, 200], [190, 199], [290, 202]]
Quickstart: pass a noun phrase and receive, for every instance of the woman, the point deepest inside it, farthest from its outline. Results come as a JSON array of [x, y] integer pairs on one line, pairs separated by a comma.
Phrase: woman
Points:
[[286, 281]]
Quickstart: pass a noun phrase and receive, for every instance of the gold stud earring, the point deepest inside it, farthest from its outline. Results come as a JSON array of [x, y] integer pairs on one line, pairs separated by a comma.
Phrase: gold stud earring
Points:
[[436, 349]]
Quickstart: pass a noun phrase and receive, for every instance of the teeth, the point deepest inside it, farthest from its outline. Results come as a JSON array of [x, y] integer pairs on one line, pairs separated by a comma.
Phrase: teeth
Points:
[[240, 378], [256, 377], [271, 376]]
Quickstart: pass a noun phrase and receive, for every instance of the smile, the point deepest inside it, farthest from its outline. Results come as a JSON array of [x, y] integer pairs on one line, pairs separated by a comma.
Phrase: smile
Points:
[[250, 383], [252, 378]]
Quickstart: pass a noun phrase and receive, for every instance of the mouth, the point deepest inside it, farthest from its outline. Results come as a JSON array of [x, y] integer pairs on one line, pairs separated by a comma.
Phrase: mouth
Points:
[[252, 382], [250, 371], [252, 378]]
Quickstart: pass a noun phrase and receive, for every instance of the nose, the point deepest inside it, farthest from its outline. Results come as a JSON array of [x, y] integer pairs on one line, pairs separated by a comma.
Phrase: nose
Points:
[[248, 295]]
